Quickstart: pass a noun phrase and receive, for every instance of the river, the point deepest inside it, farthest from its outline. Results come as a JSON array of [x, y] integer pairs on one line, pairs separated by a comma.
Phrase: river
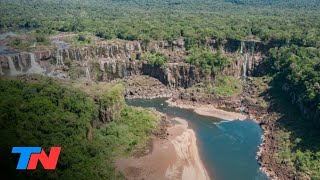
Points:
[[227, 148]]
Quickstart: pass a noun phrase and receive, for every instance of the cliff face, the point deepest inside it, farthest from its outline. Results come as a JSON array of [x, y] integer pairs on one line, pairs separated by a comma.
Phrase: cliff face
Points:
[[17, 64], [113, 60], [309, 112], [174, 74], [105, 61], [247, 57]]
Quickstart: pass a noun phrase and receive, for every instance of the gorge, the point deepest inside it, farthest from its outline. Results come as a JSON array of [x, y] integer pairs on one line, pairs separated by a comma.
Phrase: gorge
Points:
[[122, 60], [126, 62], [225, 146], [172, 89]]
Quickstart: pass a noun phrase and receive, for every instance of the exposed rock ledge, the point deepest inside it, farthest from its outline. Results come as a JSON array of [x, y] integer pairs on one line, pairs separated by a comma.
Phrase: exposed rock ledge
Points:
[[208, 110]]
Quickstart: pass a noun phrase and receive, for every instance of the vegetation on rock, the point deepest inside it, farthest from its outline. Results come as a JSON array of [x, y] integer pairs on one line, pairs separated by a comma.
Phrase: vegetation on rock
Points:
[[227, 86], [155, 58], [45, 113], [298, 146], [298, 69], [207, 60], [290, 29]]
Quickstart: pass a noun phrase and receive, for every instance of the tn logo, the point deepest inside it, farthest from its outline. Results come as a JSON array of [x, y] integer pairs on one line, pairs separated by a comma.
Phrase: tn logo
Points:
[[29, 157]]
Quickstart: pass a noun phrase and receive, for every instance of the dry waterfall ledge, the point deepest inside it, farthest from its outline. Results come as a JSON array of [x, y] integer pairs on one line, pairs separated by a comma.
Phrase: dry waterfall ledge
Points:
[[174, 158], [208, 110]]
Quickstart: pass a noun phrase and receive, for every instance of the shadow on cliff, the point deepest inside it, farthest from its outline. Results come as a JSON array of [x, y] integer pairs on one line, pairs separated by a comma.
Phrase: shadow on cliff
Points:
[[304, 133]]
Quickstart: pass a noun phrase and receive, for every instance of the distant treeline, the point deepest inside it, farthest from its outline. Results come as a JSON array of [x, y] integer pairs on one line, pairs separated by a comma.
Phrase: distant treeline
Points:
[[166, 20]]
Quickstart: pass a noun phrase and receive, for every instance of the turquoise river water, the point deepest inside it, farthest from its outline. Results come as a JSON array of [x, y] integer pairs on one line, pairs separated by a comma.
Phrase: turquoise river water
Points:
[[227, 148]]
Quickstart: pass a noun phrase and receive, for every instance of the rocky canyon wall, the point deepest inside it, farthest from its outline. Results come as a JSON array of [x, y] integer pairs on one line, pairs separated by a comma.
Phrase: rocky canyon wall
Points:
[[118, 59]]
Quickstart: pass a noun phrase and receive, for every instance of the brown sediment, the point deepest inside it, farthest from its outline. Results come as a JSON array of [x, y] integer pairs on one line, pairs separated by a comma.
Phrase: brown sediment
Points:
[[251, 100], [208, 110], [176, 157], [251, 103]]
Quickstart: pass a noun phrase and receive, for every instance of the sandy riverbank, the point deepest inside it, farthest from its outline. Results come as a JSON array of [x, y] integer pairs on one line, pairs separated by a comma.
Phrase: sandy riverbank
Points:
[[174, 158], [208, 110]]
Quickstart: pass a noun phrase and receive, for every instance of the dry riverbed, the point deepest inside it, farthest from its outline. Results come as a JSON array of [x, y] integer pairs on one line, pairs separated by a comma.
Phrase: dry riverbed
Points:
[[174, 158]]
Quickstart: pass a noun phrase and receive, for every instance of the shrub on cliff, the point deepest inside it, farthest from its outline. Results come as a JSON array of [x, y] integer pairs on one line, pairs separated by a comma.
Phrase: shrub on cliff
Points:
[[32, 39], [130, 131], [155, 58], [207, 60], [41, 38], [83, 39], [111, 103]]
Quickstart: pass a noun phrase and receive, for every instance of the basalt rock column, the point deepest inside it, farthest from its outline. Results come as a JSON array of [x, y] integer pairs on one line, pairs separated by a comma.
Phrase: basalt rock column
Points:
[[18, 64], [35, 67]]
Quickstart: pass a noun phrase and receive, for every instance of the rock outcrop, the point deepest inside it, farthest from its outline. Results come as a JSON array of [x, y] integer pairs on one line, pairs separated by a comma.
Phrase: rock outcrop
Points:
[[108, 61]]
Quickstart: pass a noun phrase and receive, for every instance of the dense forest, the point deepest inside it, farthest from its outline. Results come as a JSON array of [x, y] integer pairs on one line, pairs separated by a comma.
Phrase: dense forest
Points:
[[44, 112], [146, 20], [297, 70]]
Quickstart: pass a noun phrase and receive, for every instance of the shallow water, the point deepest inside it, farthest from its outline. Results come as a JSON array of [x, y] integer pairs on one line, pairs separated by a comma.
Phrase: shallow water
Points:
[[4, 50], [227, 148], [3, 36]]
